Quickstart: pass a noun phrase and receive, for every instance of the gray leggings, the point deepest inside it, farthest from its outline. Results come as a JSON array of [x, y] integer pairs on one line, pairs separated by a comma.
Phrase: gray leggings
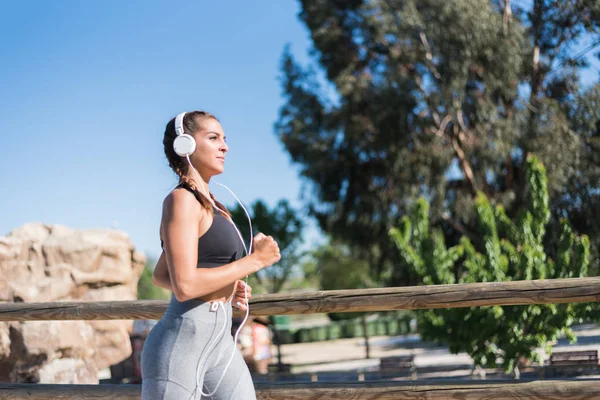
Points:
[[187, 351]]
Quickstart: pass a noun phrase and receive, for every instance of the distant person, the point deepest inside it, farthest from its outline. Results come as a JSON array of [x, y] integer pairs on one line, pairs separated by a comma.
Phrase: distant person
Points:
[[262, 340], [189, 353], [254, 341]]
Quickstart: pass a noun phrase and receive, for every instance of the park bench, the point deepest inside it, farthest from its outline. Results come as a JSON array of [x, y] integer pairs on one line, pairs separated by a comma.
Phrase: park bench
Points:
[[396, 362], [581, 357], [394, 365]]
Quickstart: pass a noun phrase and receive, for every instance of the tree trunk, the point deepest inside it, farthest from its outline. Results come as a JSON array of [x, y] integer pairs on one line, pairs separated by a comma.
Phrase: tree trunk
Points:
[[363, 320], [507, 16], [535, 79], [278, 344]]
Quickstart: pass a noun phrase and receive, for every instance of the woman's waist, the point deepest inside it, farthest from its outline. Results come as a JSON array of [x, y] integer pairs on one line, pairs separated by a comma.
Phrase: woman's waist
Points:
[[224, 294], [203, 303], [196, 308]]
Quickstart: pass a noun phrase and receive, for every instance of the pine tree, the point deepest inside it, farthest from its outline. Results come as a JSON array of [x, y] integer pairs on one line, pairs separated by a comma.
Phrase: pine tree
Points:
[[442, 99]]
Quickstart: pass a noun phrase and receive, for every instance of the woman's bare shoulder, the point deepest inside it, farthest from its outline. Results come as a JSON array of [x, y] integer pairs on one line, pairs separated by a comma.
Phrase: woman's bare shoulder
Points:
[[180, 203]]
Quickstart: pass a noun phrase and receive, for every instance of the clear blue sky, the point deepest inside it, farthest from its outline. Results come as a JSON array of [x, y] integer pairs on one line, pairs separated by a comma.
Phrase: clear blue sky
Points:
[[87, 88]]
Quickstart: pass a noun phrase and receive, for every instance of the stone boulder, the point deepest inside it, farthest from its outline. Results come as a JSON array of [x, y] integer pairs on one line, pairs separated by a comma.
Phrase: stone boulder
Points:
[[51, 263]]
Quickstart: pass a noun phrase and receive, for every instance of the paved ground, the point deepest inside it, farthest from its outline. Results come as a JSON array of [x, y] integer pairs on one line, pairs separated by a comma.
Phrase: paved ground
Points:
[[349, 354]]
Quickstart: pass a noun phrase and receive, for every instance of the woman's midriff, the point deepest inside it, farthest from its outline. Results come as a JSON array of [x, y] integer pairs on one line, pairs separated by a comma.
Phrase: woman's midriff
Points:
[[224, 294]]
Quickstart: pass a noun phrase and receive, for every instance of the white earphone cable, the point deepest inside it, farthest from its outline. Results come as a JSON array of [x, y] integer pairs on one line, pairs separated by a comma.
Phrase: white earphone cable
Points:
[[247, 251]]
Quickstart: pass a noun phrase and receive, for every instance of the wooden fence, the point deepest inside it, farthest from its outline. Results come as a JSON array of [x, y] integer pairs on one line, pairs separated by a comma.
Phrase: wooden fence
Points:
[[404, 298]]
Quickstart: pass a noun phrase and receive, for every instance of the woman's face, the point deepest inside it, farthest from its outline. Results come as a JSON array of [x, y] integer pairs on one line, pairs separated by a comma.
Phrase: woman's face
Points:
[[209, 156]]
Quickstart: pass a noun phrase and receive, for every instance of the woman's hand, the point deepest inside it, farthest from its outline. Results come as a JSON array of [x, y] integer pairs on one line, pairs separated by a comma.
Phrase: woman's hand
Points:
[[239, 300], [267, 250]]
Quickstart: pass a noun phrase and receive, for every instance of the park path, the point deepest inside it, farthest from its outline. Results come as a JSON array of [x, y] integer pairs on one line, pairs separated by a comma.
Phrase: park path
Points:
[[349, 354]]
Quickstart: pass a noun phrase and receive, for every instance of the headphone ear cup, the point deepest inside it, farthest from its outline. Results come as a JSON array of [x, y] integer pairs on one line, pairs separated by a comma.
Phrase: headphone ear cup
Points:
[[184, 145]]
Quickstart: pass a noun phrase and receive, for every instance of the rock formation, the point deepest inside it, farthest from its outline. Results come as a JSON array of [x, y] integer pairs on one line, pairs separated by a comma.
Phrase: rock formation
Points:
[[49, 263]]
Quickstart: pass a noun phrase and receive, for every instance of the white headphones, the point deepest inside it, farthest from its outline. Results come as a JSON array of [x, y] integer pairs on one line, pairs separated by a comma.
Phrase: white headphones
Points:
[[184, 144]]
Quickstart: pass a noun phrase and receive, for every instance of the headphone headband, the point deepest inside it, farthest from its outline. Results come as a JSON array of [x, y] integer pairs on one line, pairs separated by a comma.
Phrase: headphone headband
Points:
[[179, 124]]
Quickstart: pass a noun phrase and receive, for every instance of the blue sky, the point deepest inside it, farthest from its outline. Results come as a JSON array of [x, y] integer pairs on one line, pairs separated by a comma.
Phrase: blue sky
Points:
[[87, 88]]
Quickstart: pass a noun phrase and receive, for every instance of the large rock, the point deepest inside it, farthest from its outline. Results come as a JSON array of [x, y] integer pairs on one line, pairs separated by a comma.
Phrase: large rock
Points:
[[46, 263]]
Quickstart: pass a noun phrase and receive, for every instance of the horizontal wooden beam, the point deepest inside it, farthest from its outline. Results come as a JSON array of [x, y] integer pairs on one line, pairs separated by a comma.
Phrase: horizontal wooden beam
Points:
[[507, 390], [16, 391], [573, 290], [78, 310], [471, 390]]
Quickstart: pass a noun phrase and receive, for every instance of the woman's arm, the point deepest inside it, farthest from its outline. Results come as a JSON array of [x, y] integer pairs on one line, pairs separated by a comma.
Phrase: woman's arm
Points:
[[160, 276], [181, 218]]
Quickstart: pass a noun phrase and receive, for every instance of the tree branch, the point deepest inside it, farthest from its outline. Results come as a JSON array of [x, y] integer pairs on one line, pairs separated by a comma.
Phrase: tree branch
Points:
[[429, 55], [508, 163], [464, 134], [465, 166], [537, 15], [454, 223], [442, 126], [507, 16]]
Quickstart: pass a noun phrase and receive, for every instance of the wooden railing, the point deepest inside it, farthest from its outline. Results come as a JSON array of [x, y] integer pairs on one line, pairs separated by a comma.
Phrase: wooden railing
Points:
[[403, 298], [574, 290], [488, 390]]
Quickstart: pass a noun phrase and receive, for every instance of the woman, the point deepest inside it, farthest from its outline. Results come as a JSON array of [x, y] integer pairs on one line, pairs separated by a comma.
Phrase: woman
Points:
[[188, 355]]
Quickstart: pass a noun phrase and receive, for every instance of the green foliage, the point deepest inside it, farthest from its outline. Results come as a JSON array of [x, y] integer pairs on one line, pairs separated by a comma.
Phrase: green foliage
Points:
[[425, 252], [338, 269], [580, 197], [283, 223], [502, 250], [146, 289], [441, 99]]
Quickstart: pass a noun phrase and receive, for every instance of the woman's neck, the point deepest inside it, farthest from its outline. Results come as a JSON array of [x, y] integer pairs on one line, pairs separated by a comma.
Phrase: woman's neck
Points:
[[201, 186]]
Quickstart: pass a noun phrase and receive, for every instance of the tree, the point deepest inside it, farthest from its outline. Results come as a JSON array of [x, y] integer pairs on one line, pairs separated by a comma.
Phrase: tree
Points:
[[437, 99], [580, 197], [338, 268], [286, 227], [146, 289], [508, 249]]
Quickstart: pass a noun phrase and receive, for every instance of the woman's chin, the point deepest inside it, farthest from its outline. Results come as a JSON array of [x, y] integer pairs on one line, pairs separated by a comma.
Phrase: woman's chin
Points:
[[213, 170], [218, 170]]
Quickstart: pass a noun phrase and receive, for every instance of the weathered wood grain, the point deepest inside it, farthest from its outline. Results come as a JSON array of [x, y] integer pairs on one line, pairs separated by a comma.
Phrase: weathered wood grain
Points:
[[574, 290], [488, 390], [73, 310], [507, 390], [13, 391]]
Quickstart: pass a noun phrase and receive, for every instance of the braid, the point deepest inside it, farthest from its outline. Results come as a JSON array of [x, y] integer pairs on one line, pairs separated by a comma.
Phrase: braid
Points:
[[191, 185], [221, 206]]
